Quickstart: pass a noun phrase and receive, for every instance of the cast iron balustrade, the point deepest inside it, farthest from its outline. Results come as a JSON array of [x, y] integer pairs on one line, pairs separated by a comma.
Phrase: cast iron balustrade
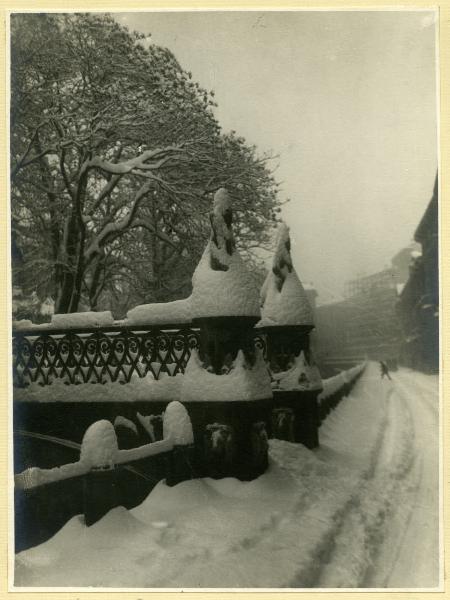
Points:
[[100, 355], [106, 354]]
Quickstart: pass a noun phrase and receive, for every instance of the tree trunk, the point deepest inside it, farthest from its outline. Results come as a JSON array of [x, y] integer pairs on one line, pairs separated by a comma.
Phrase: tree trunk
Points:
[[67, 297], [94, 291]]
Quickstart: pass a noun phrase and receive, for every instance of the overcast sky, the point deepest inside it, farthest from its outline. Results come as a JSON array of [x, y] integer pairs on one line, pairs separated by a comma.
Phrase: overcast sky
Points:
[[348, 102]]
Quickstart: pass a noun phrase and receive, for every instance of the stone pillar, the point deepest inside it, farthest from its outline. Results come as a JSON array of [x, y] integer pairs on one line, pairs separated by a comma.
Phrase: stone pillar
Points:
[[286, 321], [225, 305]]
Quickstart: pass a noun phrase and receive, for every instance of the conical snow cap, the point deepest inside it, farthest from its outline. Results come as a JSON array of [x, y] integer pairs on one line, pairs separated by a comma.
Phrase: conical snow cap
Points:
[[283, 298], [221, 283]]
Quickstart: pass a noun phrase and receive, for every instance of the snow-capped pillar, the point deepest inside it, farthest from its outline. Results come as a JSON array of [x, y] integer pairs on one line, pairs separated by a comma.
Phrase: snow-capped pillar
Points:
[[286, 315], [99, 450], [230, 429], [224, 297], [177, 426], [287, 320]]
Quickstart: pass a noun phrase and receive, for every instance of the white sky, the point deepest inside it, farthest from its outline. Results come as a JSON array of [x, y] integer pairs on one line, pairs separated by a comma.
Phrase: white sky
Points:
[[348, 102]]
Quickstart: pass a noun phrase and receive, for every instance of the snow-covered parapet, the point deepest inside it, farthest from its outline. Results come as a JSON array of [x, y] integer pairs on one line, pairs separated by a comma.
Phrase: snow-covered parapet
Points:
[[221, 284], [145, 389], [159, 313], [23, 324], [241, 383], [69, 321], [82, 319], [99, 447], [333, 384], [177, 425], [301, 376], [283, 298]]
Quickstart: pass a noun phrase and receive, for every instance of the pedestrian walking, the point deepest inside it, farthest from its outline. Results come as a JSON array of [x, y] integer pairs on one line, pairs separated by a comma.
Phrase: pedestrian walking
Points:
[[384, 370]]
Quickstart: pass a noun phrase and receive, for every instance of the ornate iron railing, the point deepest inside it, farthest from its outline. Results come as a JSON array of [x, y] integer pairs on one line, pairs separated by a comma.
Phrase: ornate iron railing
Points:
[[107, 354], [100, 355]]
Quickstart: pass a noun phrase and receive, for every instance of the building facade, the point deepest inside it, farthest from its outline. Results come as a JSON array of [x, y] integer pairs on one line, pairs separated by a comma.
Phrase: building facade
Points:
[[418, 305]]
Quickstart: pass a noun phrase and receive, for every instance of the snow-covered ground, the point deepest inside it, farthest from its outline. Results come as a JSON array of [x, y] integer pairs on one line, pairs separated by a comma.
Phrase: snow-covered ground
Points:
[[361, 511]]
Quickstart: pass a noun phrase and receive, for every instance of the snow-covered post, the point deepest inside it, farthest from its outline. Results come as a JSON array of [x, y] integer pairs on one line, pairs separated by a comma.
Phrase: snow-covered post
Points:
[[177, 426], [287, 320], [225, 300], [99, 451], [229, 379]]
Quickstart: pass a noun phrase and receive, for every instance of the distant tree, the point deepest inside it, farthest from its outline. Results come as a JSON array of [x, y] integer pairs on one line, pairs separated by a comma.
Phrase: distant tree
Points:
[[115, 155]]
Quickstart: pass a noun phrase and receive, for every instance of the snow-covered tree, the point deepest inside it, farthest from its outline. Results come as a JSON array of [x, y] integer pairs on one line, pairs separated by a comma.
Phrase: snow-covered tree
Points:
[[115, 154]]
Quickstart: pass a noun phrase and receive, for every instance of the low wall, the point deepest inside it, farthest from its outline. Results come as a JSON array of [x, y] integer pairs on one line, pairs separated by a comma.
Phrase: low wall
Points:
[[329, 401], [42, 511], [69, 421]]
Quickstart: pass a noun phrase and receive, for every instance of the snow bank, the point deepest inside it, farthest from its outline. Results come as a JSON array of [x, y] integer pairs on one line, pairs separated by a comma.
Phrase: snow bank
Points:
[[177, 425], [300, 376], [99, 447], [138, 389], [82, 319], [160, 313], [203, 533], [241, 383], [283, 298], [313, 520]]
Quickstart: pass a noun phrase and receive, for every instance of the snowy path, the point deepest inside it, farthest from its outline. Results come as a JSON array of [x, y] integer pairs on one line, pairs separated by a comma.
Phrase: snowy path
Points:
[[359, 512], [408, 563], [389, 537]]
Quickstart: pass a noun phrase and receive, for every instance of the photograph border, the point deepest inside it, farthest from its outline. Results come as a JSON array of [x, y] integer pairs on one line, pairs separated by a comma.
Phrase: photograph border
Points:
[[6, 493]]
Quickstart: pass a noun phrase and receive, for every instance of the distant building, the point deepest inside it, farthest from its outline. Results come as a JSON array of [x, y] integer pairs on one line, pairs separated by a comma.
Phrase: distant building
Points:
[[386, 279], [366, 324], [363, 326], [418, 306], [390, 315]]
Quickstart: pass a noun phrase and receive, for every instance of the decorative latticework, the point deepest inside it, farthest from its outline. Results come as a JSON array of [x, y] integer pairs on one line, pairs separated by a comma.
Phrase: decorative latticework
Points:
[[104, 355], [100, 356]]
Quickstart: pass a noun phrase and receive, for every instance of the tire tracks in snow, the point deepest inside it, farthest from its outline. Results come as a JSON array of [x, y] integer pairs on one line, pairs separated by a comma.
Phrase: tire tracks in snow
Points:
[[362, 529], [410, 557], [327, 551]]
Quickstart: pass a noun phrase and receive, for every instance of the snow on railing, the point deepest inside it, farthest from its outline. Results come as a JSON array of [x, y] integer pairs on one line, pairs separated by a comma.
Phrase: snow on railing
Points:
[[35, 476], [98, 452], [333, 384], [100, 354]]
